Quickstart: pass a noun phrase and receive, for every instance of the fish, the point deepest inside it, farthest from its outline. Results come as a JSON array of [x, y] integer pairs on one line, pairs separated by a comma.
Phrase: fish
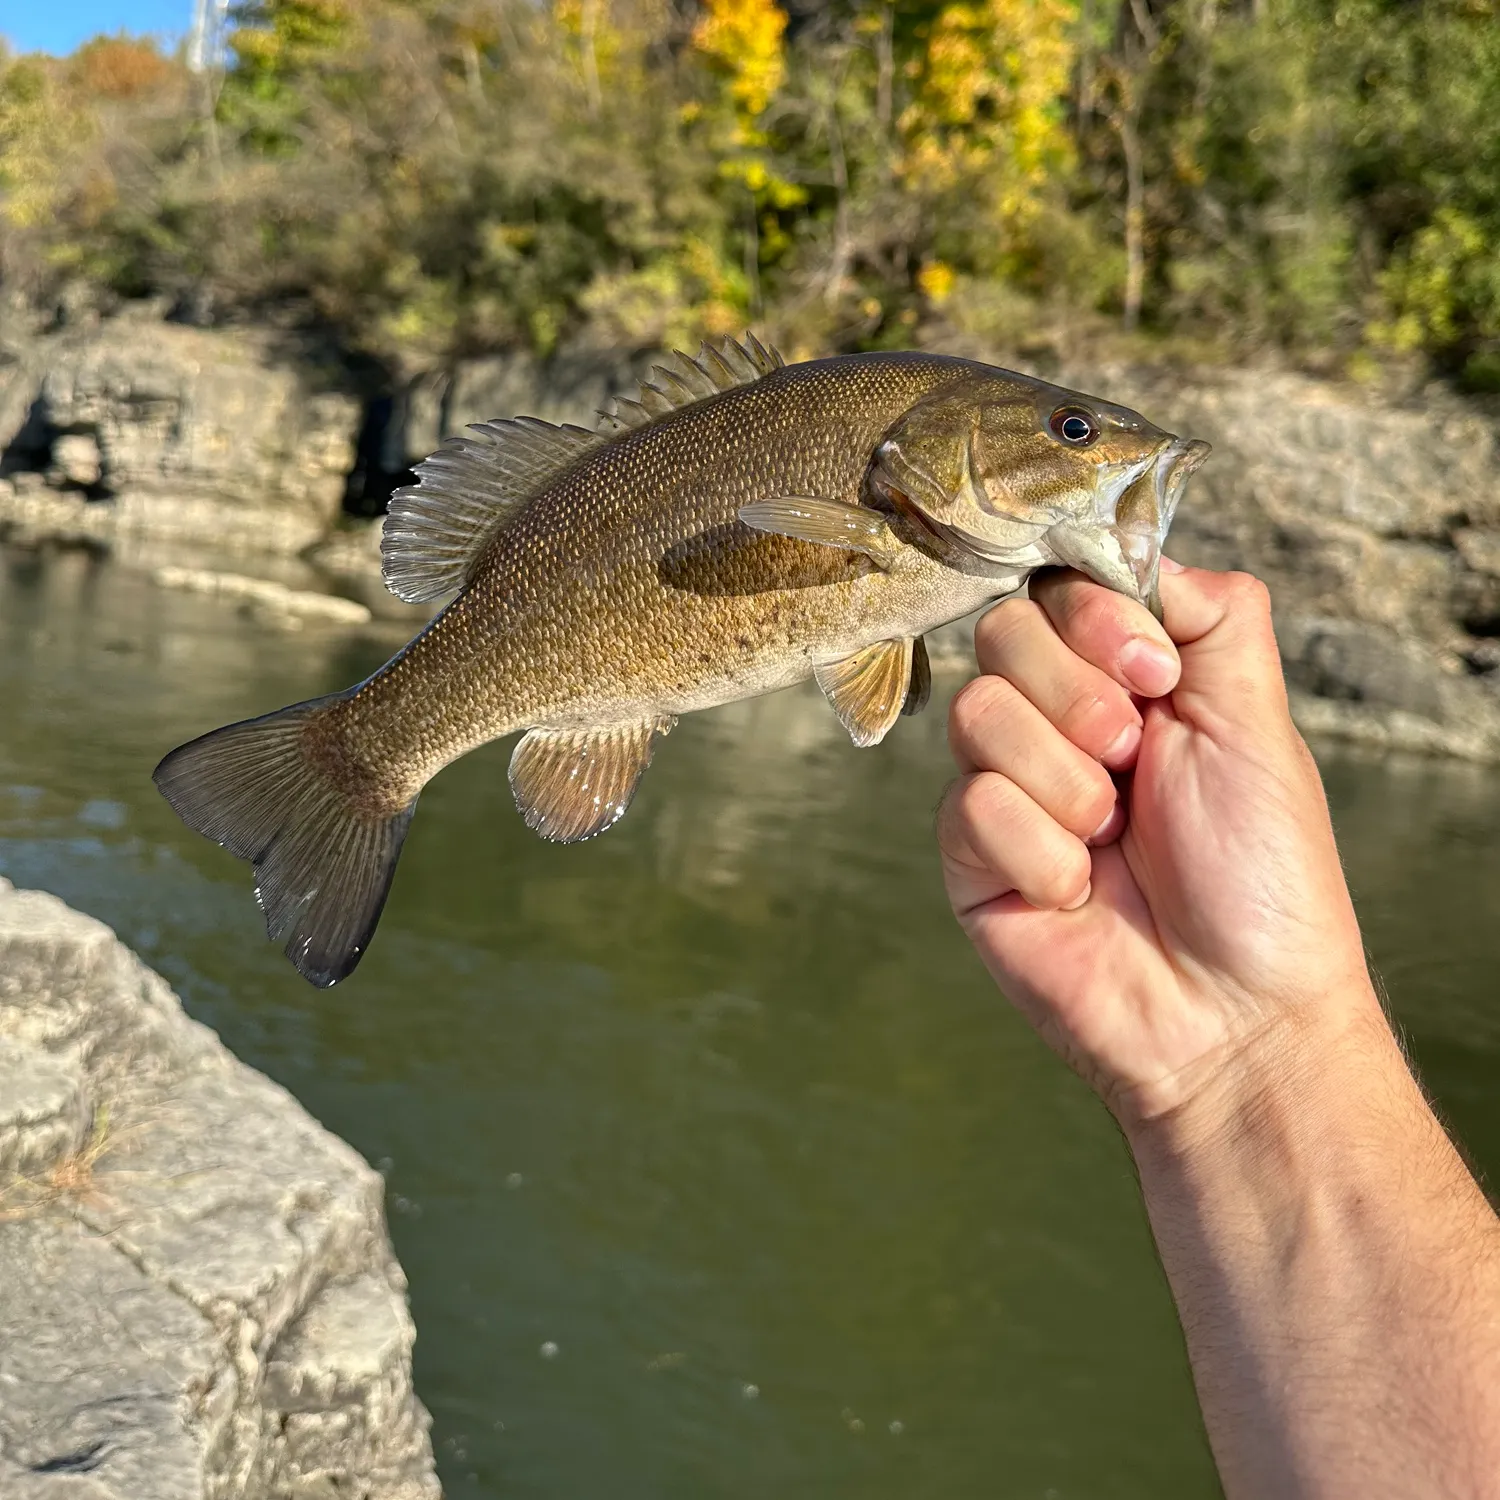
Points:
[[741, 525]]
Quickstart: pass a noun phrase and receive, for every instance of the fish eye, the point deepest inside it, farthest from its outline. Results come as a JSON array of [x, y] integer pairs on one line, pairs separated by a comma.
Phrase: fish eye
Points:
[[1073, 426]]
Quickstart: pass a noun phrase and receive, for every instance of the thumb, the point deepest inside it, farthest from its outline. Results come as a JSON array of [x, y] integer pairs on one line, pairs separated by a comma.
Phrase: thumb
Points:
[[1231, 680]]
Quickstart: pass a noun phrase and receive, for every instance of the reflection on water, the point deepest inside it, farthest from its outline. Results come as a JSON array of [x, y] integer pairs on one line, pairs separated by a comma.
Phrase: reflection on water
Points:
[[717, 1165]]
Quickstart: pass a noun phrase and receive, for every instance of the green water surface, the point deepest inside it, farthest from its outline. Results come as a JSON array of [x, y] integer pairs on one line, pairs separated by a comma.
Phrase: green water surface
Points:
[[720, 1105]]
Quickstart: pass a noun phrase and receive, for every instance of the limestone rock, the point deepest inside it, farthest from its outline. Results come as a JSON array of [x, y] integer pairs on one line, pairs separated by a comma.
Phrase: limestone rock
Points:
[[76, 459], [572, 386], [1480, 549], [199, 1300], [219, 436], [267, 601], [44, 1108]]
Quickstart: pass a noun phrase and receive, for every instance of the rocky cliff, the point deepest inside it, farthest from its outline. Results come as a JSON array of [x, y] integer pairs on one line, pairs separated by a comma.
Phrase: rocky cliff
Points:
[[198, 1299], [1377, 523], [141, 428]]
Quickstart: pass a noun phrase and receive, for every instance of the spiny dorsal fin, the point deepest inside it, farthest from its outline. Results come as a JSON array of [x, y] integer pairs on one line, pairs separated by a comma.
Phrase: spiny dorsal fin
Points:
[[719, 365], [472, 486]]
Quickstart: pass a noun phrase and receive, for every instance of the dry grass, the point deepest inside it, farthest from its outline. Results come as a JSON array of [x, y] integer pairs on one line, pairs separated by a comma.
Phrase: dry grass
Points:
[[71, 1180]]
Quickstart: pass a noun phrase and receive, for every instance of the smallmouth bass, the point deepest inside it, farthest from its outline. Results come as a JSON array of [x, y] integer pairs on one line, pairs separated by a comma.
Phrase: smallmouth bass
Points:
[[744, 525]]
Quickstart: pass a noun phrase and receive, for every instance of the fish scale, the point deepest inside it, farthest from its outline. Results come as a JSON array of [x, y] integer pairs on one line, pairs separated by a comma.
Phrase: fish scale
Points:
[[796, 520]]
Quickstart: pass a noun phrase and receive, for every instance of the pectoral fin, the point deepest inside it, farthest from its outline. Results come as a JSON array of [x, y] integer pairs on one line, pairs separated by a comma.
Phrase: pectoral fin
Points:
[[868, 690], [919, 690], [570, 784], [829, 523]]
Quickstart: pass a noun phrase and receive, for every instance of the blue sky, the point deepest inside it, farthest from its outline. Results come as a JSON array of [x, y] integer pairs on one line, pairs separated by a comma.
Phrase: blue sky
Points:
[[59, 25]]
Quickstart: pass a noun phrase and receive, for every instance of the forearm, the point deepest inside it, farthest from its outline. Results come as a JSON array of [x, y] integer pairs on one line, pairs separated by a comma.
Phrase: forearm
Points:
[[1337, 1272]]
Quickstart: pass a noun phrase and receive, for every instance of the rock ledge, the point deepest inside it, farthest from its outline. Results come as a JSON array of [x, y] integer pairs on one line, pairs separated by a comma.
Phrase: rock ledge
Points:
[[198, 1298]]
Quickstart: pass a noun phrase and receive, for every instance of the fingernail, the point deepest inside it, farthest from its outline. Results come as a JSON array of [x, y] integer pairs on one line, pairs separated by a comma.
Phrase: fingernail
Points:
[[1171, 565], [1106, 828], [1074, 905], [1152, 669], [1117, 757]]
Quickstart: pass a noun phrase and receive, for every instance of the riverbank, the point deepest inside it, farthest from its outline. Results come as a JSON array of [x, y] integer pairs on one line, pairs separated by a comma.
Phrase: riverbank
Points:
[[198, 1296], [718, 1100], [1375, 521]]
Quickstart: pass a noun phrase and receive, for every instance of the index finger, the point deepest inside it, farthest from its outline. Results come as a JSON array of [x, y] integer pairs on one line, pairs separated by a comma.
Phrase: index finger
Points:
[[1116, 634]]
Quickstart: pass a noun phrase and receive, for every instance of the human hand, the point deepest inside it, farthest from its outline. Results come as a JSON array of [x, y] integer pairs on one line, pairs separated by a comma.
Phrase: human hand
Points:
[[1156, 887]]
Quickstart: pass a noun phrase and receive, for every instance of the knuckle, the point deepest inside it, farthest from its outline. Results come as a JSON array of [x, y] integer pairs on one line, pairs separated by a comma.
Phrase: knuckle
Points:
[[1061, 878], [978, 707], [976, 804], [1247, 592], [1096, 611], [1091, 716]]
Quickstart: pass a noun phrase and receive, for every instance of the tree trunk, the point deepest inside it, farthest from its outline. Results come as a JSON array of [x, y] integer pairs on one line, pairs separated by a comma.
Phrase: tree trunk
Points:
[[1135, 212]]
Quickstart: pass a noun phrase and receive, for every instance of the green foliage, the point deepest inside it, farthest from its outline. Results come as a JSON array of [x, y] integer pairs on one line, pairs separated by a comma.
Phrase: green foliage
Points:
[[430, 179]]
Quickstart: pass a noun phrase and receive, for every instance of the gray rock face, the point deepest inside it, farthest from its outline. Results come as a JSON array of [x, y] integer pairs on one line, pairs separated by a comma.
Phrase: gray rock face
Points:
[[44, 1109], [147, 428], [198, 1298], [573, 386]]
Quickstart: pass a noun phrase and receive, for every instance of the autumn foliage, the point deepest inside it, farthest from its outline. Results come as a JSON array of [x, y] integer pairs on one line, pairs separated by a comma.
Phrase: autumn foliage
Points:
[[427, 179]]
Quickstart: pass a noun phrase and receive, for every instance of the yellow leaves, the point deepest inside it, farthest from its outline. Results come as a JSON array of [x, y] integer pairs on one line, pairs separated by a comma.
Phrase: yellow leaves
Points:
[[935, 281], [743, 41], [42, 134], [766, 187], [1447, 276], [986, 103], [290, 34], [744, 38]]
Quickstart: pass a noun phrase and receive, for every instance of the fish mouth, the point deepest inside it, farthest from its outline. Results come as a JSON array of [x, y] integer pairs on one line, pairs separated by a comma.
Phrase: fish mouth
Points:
[[1126, 556], [1179, 461]]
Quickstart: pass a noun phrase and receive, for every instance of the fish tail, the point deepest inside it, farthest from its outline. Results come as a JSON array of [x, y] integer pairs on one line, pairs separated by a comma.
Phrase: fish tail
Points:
[[282, 792]]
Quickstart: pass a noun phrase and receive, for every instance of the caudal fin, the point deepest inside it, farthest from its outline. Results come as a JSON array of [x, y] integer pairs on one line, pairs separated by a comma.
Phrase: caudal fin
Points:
[[322, 866]]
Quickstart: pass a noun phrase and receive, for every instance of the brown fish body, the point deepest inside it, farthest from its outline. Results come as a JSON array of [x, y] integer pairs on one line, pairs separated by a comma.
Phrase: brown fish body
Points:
[[749, 524], [630, 588]]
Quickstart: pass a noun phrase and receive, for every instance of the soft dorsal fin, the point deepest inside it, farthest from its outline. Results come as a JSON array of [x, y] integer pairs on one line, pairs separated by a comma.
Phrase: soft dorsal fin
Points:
[[720, 365], [468, 490]]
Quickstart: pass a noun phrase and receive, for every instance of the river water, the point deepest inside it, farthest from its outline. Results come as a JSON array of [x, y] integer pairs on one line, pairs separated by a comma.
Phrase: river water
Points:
[[718, 1167]]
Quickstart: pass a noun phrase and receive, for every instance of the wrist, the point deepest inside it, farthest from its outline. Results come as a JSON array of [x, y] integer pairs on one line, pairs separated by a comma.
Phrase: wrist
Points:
[[1334, 1265], [1295, 1083]]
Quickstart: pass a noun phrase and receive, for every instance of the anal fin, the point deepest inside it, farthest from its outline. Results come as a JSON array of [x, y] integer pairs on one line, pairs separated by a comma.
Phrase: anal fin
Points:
[[571, 784], [829, 523], [869, 689]]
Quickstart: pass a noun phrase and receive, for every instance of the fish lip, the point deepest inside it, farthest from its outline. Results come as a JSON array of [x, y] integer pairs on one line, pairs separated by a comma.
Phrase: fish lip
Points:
[[1175, 464]]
